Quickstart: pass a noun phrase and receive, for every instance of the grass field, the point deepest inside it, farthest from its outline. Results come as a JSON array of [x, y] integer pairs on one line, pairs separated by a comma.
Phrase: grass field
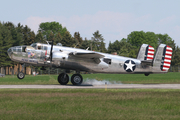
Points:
[[122, 104], [171, 77]]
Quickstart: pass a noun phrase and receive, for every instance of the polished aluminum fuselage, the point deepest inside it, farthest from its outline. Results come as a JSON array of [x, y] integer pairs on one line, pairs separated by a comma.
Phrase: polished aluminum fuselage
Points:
[[61, 58]]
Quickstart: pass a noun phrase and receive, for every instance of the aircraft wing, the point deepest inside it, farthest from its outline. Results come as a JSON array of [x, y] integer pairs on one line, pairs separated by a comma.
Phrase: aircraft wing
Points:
[[89, 55]]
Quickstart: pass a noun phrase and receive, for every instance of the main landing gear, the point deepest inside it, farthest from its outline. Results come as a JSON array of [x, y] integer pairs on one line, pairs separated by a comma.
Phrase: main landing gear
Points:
[[76, 79]]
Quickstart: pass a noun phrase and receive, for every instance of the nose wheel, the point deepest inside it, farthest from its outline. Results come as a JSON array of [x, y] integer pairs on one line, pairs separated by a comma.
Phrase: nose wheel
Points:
[[20, 75], [76, 79]]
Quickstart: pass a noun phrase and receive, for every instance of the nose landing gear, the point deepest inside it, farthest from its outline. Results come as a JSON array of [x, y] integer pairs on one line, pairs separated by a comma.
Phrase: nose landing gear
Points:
[[20, 75]]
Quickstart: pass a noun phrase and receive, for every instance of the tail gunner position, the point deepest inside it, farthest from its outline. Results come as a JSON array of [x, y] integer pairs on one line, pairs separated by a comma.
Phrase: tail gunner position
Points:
[[67, 58]]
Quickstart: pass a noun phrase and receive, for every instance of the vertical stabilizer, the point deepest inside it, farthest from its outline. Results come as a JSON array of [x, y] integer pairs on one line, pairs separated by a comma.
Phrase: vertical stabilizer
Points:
[[146, 52], [150, 53], [162, 59]]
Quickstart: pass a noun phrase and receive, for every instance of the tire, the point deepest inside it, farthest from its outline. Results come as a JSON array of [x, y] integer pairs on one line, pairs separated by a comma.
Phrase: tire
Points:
[[20, 75], [146, 74], [63, 79], [76, 79]]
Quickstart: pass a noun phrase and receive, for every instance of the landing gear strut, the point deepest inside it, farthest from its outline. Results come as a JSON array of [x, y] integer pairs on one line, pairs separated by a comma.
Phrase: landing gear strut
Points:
[[63, 78]]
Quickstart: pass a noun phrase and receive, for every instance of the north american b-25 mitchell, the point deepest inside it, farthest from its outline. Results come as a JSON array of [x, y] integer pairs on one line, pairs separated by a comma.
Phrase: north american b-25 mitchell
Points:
[[67, 58]]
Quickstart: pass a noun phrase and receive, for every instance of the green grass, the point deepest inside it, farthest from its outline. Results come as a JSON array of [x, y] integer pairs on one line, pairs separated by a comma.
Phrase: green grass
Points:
[[171, 77], [124, 104]]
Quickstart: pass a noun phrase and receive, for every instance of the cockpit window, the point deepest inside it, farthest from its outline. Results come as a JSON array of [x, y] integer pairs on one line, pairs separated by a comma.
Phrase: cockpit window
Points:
[[18, 49], [14, 49], [34, 45]]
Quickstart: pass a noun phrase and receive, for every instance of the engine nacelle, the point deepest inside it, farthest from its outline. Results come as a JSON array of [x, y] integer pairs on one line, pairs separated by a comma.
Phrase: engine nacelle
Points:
[[59, 56]]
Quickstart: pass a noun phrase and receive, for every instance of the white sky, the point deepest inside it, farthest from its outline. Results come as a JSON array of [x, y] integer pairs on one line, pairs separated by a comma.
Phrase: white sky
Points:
[[115, 19]]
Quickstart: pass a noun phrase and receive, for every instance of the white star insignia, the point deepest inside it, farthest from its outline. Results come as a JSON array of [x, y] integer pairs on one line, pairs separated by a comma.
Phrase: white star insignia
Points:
[[129, 65]]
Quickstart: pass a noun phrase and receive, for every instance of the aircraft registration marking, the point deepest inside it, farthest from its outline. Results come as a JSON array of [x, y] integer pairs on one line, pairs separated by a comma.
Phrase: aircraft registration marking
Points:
[[32, 61]]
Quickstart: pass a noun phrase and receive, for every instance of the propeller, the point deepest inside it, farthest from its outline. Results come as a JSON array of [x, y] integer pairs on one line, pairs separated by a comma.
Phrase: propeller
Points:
[[51, 50]]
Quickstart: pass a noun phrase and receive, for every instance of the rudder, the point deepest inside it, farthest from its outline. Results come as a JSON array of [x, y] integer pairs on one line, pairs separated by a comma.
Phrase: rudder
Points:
[[146, 52], [162, 59]]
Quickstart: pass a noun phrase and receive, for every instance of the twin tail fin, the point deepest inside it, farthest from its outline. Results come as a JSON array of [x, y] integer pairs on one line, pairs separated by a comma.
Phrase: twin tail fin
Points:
[[161, 61]]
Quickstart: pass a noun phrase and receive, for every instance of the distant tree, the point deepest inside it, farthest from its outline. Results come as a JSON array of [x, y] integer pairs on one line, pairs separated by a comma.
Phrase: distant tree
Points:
[[16, 36], [67, 40], [122, 48], [176, 56], [78, 39], [39, 37], [166, 39], [58, 38], [137, 38], [5, 44], [54, 27], [28, 36], [98, 42], [86, 44]]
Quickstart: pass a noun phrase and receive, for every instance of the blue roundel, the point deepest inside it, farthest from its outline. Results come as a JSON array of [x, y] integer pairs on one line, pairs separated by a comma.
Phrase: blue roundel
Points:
[[129, 65]]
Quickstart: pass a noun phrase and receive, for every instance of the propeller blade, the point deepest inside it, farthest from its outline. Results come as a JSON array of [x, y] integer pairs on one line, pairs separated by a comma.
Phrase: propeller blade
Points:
[[51, 50]]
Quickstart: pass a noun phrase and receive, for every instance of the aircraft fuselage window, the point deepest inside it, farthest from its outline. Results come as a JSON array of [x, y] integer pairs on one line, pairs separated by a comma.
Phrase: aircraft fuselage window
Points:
[[39, 47], [45, 48]]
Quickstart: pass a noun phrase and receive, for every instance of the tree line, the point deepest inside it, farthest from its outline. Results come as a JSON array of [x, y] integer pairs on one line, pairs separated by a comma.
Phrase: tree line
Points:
[[12, 35]]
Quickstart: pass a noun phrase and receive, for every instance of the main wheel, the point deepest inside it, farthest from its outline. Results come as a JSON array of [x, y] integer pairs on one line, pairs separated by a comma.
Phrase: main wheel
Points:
[[146, 74], [63, 78], [76, 79], [20, 75]]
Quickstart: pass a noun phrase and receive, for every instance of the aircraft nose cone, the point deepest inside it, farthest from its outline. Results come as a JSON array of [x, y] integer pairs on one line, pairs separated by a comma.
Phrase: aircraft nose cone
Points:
[[9, 51]]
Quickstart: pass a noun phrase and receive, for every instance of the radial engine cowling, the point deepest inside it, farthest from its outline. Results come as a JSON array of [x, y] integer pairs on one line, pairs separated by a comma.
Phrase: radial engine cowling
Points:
[[59, 56]]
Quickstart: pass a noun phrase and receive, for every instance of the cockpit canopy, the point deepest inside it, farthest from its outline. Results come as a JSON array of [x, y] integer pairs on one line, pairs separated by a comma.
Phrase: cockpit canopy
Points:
[[39, 46]]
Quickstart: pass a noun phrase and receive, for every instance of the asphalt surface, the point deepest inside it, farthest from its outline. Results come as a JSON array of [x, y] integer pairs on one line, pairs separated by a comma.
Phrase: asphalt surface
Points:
[[89, 86]]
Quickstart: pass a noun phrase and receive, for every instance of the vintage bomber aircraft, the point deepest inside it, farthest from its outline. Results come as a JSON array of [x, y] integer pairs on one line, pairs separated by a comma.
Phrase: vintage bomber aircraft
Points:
[[67, 58]]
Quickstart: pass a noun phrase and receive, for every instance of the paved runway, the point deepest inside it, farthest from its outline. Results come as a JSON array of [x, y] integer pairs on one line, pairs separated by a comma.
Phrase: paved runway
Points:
[[88, 86]]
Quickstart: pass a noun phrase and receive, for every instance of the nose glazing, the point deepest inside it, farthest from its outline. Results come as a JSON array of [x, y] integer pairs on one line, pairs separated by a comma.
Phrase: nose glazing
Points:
[[9, 51]]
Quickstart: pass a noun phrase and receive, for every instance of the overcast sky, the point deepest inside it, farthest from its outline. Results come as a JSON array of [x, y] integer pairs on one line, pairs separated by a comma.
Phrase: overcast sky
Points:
[[114, 19]]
